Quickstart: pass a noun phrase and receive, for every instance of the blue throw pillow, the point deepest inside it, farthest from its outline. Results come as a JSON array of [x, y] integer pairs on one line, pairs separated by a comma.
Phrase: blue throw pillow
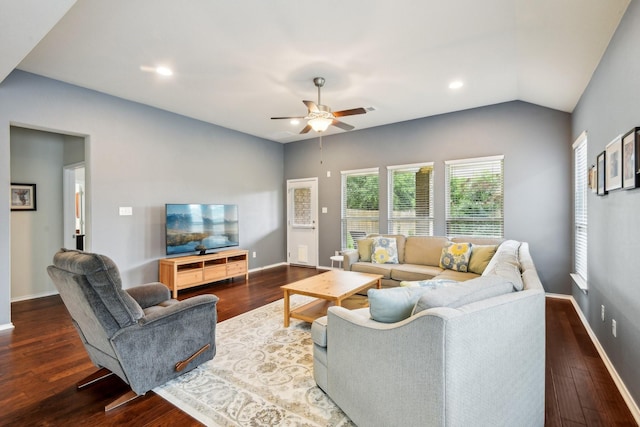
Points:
[[393, 304]]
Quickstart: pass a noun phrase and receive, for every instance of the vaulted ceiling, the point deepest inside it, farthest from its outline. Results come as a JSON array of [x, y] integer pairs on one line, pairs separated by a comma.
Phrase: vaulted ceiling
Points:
[[238, 63]]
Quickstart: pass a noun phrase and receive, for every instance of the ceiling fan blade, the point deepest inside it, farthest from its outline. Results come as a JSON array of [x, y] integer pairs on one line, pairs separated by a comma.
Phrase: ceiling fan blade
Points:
[[306, 129], [288, 118], [342, 125], [311, 106], [351, 112]]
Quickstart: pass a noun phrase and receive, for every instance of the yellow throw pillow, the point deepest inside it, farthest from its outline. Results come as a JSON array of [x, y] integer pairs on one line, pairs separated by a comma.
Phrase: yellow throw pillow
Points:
[[455, 256], [480, 257], [365, 247]]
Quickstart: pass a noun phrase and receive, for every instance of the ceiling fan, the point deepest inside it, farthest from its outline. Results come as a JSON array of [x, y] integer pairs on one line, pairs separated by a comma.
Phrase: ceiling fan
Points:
[[320, 117]]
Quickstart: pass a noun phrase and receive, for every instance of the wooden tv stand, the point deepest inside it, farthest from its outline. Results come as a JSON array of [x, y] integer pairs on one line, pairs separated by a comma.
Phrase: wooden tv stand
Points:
[[188, 271]]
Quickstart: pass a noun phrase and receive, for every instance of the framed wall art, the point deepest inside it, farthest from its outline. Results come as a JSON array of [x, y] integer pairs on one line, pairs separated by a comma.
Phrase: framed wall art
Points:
[[23, 197], [592, 178], [601, 173], [629, 159], [613, 179]]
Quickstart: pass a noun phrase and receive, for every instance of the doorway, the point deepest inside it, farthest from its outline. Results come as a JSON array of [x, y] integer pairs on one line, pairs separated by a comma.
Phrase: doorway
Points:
[[74, 213], [302, 222], [39, 157]]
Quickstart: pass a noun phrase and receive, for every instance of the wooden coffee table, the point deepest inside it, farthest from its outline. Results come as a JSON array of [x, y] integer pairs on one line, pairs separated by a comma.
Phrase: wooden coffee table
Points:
[[331, 288]]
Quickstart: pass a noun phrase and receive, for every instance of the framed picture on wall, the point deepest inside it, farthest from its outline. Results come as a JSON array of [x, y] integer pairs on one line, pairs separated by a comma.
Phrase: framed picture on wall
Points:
[[629, 159], [601, 170], [613, 179], [592, 178], [23, 197]]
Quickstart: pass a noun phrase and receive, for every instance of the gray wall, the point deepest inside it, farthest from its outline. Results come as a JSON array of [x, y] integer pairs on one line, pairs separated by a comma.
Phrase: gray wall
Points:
[[143, 157], [534, 141], [37, 158], [609, 107]]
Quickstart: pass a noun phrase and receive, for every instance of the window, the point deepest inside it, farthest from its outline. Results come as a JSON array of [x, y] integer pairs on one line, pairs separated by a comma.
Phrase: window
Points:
[[411, 202], [360, 204], [474, 192], [580, 185]]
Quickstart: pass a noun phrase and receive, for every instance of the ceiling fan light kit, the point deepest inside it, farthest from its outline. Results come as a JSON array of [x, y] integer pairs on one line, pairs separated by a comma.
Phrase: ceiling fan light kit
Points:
[[320, 124], [319, 117]]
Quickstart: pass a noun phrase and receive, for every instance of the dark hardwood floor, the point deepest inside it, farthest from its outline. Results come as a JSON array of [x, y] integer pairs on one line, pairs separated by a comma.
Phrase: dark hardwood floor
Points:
[[42, 359]]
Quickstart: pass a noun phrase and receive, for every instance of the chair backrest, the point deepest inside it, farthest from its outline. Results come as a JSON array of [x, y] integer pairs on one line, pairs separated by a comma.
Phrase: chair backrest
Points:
[[91, 289]]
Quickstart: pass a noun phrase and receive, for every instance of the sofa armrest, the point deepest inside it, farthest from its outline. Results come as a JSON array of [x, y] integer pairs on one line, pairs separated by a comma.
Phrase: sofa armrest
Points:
[[149, 294], [351, 256]]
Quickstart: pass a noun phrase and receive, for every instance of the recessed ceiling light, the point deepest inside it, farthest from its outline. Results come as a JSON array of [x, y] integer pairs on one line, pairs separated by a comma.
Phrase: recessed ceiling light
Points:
[[160, 70], [164, 71], [295, 122], [457, 84]]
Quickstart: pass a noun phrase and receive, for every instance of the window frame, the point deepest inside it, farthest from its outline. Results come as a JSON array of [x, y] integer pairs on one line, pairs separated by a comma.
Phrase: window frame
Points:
[[580, 213], [345, 219], [392, 219], [460, 163]]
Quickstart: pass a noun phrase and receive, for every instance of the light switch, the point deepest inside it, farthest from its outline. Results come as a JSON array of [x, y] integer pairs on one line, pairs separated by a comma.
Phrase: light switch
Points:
[[126, 210], [325, 210]]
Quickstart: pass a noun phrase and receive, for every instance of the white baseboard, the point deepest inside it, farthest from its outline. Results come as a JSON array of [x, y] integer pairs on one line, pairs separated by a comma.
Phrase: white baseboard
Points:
[[34, 296], [6, 327], [633, 406], [267, 266]]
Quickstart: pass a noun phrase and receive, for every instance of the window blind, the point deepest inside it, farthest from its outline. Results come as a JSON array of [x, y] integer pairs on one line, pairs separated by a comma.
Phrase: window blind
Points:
[[360, 205], [580, 190], [474, 192], [411, 202]]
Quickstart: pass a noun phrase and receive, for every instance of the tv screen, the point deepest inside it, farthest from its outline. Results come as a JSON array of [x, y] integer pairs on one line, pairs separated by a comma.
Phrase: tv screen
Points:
[[200, 227]]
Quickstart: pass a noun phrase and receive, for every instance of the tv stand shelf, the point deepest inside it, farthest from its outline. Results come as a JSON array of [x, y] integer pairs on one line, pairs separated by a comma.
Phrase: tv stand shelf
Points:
[[189, 271]]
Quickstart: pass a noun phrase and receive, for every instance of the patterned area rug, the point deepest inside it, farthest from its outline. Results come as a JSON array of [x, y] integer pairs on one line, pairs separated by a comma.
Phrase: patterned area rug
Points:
[[262, 375]]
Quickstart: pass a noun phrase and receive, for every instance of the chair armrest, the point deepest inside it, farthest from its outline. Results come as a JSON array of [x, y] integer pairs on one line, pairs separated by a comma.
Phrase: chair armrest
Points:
[[180, 306], [149, 294], [149, 350], [350, 256]]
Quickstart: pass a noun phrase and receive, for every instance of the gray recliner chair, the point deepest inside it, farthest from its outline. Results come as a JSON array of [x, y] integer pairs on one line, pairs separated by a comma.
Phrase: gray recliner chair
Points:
[[140, 334]]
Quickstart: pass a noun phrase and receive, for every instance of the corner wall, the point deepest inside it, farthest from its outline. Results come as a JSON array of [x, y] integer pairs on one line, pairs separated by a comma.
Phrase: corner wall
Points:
[[537, 174], [609, 107], [143, 157]]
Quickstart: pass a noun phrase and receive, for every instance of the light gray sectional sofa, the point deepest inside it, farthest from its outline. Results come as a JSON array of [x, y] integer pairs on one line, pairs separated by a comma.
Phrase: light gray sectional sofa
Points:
[[418, 258], [469, 354]]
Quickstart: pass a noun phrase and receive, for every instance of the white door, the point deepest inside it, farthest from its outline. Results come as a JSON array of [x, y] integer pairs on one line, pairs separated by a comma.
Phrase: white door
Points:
[[302, 221], [74, 206]]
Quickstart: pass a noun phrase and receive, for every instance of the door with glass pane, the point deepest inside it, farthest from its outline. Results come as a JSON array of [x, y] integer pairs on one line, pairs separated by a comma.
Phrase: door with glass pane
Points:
[[302, 221]]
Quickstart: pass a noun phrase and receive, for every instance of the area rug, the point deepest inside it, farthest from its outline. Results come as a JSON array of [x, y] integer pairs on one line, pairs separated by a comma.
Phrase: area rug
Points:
[[262, 375]]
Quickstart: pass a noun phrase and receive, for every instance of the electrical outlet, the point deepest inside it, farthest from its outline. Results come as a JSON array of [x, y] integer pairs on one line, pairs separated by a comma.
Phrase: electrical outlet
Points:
[[602, 312], [614, 328], [254, 254]]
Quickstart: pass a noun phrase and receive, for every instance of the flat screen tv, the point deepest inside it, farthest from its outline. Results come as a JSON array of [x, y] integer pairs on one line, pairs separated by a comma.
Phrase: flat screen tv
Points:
[[200, 227]]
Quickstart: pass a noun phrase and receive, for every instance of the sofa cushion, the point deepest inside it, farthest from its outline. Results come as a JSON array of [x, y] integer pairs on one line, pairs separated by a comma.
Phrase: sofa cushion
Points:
[[429, 283], [319, 331], [365, 247], [455, 256], [395, 304], [480, 257], [506, 263], [385, 250], [464, 293], [458, 276], [414, 272], [424, 250], [369, 267]]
